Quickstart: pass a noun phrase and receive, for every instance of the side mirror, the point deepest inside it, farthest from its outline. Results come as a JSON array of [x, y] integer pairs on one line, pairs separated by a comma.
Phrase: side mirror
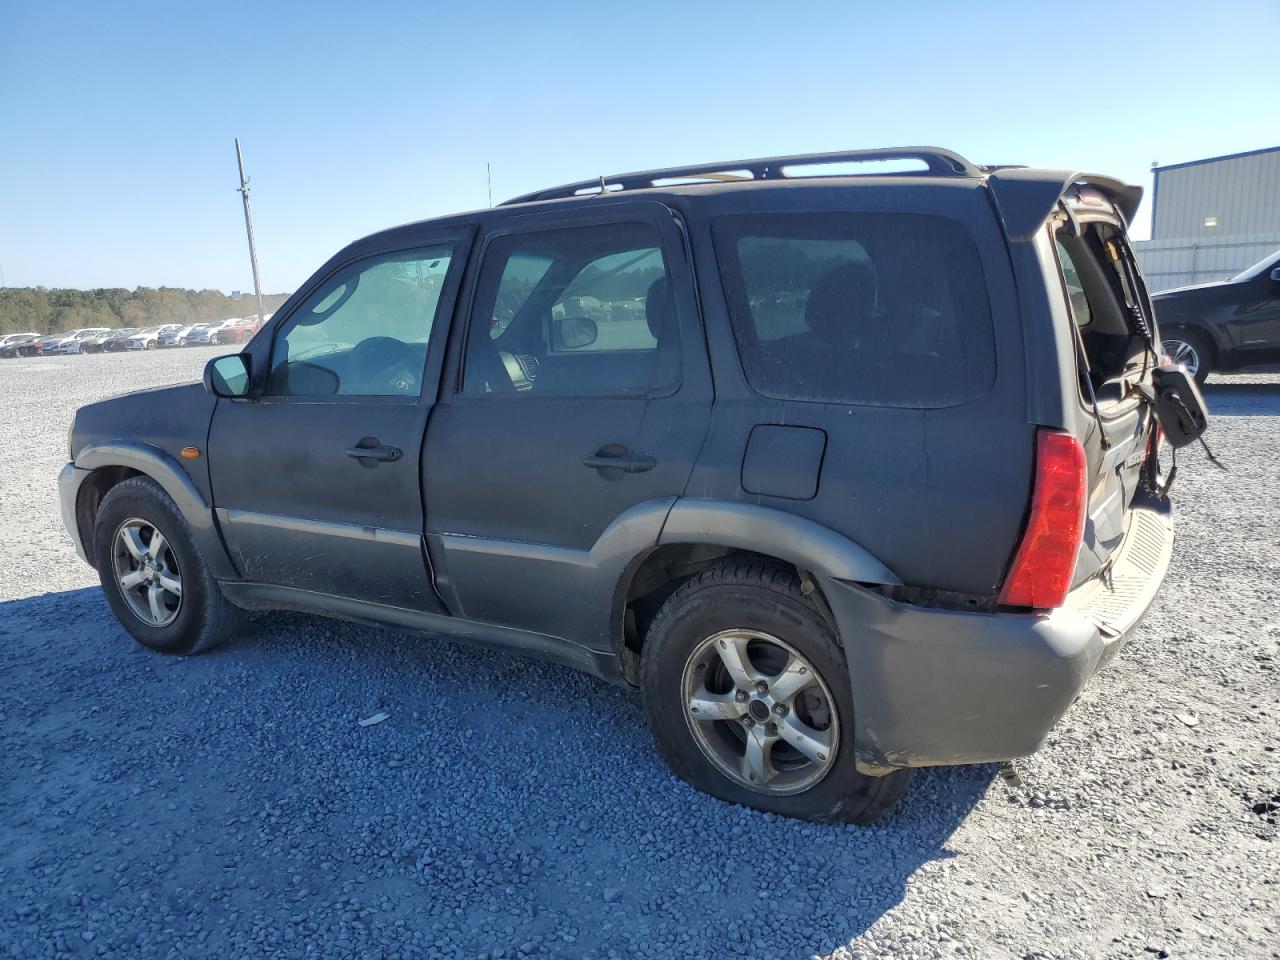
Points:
[[1275, 275], [573, 333], [228, 376]]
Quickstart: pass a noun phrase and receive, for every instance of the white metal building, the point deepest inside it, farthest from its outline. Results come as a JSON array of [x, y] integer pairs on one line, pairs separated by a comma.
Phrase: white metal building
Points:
[[1212, 218]]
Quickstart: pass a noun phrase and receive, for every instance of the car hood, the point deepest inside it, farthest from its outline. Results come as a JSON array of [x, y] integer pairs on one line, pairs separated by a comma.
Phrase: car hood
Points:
[[1192, 288], [166, 417]]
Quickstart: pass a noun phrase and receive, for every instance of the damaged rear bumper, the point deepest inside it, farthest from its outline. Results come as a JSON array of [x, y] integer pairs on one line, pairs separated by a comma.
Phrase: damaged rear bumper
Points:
[[934, 687]]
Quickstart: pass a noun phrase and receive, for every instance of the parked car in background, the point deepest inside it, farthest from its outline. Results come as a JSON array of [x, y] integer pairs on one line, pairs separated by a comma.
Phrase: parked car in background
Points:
[[100, 342], [93, 344], [118, 341], [236, 331], [863, 547], [205, 334], [1225, 325], [173, 338], [70, 341], [148, 337], [40, 345], [20, 345], [187, 333], [9, 338]]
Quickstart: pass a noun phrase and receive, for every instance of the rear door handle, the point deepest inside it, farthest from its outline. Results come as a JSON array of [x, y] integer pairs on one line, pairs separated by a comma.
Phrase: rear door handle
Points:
[[615, 456], [372, 449]]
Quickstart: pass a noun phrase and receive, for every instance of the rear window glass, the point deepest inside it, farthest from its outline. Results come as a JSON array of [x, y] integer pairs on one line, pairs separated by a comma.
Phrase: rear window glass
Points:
[[867, 308]]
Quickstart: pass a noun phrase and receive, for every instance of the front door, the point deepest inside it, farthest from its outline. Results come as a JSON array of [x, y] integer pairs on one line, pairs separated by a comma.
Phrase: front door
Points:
[[583, 401], [1253, 322], [315, 478]]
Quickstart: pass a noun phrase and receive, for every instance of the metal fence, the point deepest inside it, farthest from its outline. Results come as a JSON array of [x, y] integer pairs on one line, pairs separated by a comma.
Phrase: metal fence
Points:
[[1175, 263]]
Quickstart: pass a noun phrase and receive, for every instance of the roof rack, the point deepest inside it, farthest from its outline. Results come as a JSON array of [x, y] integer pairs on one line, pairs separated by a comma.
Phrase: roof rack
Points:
[[938, 163]]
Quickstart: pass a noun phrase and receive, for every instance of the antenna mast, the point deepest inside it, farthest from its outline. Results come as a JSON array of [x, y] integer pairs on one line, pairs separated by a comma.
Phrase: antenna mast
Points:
[[248, 228]]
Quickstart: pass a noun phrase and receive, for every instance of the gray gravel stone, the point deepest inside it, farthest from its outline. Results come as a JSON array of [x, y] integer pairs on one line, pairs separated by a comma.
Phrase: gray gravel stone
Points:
[[229, 806]]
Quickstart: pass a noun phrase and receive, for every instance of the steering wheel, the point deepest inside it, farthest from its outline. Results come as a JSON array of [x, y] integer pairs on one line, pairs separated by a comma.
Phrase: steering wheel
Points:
[[385, 362]]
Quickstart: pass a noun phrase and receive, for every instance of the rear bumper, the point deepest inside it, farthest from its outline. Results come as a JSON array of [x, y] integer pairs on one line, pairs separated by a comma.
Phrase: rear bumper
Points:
[[934, 687]]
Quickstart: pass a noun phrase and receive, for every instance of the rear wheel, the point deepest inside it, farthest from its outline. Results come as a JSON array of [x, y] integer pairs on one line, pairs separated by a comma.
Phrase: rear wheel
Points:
[[1192, 350], [154, 578], [748, 695]]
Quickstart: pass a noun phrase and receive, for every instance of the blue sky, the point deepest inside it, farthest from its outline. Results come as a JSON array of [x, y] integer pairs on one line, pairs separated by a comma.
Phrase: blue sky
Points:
[[117, 166]]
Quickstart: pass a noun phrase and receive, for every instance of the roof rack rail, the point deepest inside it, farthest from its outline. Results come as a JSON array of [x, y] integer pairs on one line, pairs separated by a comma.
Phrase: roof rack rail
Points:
[[938, 163]]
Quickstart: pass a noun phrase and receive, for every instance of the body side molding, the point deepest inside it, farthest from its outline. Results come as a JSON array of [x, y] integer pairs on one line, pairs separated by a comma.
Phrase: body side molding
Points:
[[261, 596]]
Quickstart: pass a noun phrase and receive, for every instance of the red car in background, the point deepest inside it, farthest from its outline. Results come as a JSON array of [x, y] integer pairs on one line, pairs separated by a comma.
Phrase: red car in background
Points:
[[236, 331]]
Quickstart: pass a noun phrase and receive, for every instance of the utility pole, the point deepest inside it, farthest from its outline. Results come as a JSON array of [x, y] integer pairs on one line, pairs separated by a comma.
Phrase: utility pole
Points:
[[489, 176], [248, 228]]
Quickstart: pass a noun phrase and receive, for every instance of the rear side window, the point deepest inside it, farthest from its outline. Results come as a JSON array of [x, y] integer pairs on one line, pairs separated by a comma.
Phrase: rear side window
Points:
[[865, 308]]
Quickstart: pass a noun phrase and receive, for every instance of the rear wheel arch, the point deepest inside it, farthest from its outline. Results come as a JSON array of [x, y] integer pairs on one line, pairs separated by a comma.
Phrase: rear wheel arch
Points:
[[659, 573]]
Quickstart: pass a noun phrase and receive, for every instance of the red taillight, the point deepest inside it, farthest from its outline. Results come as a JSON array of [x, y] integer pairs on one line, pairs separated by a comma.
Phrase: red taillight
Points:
[[1041, 573]]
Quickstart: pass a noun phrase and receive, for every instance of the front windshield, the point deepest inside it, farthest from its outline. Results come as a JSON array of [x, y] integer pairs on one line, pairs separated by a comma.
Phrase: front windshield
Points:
[[1260, 267]]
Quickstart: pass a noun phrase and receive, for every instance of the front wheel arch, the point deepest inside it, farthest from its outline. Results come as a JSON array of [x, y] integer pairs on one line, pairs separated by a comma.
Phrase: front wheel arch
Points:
[[89, 498], [128, 458]]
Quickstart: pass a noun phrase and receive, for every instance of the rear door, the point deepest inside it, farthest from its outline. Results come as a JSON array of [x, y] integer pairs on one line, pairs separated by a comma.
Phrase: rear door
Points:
[[579, 404], [316, 480]]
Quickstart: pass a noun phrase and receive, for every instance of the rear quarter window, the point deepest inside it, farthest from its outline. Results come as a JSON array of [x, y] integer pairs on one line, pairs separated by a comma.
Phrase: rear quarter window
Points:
[[882, 309]]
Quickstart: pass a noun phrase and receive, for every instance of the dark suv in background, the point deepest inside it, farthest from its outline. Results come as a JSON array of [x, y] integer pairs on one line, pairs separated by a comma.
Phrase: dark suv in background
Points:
[[850, 474], [1227, 325]]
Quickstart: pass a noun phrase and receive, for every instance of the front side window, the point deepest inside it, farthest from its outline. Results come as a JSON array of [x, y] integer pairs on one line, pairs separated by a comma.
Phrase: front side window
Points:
[[364, 331], [861, 308], [576, 311]]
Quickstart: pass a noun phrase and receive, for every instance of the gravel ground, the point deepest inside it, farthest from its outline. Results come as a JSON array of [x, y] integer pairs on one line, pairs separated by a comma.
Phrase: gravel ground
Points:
[[230, 805]]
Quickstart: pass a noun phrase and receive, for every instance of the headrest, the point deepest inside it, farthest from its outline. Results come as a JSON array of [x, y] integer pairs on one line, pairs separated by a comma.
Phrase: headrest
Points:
[[657, 307], [843, 295]]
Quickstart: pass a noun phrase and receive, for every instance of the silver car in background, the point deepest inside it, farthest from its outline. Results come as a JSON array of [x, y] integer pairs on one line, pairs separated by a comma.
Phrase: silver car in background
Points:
[[148, 337], [173, 338]]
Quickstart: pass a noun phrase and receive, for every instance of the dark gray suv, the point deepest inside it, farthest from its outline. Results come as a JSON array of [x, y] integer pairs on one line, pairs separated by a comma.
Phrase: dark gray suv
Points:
[[849, 473]]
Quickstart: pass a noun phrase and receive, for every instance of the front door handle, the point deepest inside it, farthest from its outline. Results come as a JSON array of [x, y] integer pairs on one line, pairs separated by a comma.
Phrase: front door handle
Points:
[[615, 456], [370, 450]]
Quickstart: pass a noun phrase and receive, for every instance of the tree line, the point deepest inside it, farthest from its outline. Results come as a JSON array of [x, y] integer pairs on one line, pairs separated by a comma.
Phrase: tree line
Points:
[[45, 310]]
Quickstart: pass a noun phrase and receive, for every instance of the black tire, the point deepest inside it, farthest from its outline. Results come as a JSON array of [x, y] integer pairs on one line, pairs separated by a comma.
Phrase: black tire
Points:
[[205, 618], [1200, 346], [765, 597]]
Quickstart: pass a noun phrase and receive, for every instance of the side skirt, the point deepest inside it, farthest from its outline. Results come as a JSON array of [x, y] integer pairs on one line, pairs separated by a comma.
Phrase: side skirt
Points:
[[263, 596]]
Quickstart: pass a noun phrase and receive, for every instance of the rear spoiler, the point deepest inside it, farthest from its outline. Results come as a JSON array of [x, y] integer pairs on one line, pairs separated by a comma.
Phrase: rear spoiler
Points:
[[1025, 198]]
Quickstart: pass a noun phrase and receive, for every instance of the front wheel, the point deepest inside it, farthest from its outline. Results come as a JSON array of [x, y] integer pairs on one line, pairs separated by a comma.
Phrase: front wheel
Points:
[[748, 696], [154, 578]]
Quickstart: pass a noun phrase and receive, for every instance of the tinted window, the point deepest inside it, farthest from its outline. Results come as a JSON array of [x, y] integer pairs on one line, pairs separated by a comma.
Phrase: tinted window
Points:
[[885, 309], [578, 311], [364, 331]]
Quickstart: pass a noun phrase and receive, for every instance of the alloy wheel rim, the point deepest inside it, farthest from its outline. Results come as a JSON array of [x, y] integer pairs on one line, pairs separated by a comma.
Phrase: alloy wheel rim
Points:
[[147, 573], [760, 712], [1184, 353]]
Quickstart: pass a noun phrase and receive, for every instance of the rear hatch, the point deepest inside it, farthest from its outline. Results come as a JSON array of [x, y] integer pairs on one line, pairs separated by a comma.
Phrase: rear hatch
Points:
[[1114, 341]]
